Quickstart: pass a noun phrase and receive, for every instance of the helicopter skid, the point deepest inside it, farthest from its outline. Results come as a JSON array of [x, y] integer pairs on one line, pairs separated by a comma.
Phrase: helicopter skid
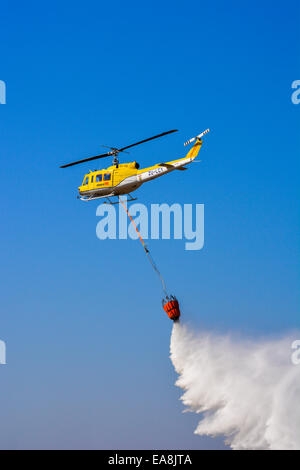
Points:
[[118, 201], [85, 198], [91, 198]]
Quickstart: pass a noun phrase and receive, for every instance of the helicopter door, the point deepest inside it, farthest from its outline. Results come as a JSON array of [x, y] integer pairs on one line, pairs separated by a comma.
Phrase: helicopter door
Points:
[[116, 177], [107, 178], [99, 180]]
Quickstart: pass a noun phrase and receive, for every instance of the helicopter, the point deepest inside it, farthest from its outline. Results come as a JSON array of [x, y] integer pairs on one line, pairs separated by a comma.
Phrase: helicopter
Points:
[[124, 178]]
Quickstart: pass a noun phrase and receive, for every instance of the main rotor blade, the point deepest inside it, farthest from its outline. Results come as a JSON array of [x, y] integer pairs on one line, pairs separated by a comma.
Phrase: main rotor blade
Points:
[[147, 140], [116, 151], [87, 159]]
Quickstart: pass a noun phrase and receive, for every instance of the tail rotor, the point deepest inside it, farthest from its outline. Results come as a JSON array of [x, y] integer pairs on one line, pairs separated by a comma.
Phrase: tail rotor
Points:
[[198, 137]]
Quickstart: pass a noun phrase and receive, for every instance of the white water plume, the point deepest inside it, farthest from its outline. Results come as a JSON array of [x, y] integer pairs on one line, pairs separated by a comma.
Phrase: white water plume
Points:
[[247, 391]]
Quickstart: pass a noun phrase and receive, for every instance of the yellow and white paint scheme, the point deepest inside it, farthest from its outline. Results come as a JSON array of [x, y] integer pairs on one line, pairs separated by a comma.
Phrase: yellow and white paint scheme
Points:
[[124, 178]]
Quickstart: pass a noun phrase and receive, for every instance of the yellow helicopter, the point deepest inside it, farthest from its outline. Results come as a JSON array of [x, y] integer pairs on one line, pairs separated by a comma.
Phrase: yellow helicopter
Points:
[[124, 178]]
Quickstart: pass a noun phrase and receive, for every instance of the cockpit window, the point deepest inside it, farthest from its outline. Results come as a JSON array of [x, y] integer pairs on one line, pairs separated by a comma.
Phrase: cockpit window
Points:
[[107, 176], [86, 180], [98, 178]]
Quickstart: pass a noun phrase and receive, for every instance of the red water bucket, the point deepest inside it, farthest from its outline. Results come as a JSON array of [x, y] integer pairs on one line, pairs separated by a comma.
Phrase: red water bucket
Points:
[[171, 307]]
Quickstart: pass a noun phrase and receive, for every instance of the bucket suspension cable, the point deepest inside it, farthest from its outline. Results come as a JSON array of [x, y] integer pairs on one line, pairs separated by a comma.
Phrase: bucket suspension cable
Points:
[[146, 250], [157, 271]]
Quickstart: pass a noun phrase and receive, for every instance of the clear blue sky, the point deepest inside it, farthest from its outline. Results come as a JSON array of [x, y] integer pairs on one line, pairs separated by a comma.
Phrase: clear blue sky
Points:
[[87, 340]]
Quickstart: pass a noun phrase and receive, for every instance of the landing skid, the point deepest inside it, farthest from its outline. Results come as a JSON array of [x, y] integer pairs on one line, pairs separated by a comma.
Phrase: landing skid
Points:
[[118, 201], [109, 201], [85, 198]]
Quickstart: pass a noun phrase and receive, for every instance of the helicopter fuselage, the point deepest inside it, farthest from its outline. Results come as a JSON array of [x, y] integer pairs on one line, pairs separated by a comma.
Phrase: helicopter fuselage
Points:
[[125, 178]]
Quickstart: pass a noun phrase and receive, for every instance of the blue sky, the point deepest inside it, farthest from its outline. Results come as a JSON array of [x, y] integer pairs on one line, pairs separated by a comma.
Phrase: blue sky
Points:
[[87, 340]]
